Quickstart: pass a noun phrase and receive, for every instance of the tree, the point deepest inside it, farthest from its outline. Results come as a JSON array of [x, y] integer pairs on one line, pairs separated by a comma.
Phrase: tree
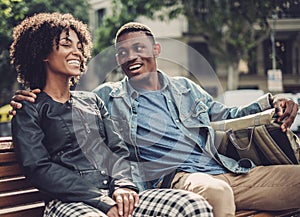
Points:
[[12, 12], [232, 28]]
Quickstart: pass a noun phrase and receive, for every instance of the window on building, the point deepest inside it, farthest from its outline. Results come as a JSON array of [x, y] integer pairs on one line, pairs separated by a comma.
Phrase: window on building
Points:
[[100, 16]]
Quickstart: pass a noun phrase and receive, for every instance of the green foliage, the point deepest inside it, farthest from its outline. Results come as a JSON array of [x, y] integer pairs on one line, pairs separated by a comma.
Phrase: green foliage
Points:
[[104, 36], [13, 11], [232, 27], [78, 8]]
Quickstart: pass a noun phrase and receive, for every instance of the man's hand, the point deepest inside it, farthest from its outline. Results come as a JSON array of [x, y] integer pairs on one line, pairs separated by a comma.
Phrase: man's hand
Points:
[[126, 200], [286, 110], [26, 95]]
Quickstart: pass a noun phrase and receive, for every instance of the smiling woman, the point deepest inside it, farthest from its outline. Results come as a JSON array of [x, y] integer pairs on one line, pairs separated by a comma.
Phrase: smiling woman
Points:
[[38, 36]]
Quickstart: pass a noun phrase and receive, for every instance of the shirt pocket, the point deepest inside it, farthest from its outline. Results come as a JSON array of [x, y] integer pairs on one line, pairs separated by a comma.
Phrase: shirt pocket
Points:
[[196, 115]]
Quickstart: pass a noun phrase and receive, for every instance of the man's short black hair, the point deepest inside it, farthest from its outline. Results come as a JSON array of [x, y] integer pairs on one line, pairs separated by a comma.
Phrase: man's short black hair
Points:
[[134, 27]]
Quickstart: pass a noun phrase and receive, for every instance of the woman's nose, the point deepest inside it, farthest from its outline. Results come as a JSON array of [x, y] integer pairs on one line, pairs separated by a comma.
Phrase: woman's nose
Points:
[[77, 51]]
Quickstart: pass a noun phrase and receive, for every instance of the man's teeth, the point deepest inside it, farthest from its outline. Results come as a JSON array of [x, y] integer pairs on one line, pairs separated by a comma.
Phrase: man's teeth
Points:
[[74, 62], [135, 67]]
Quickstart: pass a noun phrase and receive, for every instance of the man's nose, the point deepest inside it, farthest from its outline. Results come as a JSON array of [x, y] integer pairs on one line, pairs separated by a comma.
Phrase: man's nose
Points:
[[132, 55]]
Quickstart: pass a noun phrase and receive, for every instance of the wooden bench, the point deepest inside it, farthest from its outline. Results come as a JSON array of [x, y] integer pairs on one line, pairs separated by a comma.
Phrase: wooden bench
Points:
[[19, 199]]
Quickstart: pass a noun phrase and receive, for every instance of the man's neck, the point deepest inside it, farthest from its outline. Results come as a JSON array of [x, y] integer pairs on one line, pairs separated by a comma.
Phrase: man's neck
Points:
[[150, 82]]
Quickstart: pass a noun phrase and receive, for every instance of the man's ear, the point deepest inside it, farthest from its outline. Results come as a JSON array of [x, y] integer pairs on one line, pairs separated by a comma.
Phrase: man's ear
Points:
[[156, 49], [117, 59]]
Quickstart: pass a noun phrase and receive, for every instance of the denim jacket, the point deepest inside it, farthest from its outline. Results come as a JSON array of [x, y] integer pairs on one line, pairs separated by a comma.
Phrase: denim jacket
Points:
[[188, 103]]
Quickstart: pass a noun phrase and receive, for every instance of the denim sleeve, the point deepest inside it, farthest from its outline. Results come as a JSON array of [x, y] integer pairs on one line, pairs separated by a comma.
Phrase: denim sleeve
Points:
[[218, 111]]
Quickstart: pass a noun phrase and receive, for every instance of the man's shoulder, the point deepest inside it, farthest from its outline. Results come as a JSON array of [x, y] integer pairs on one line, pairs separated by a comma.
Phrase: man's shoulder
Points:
[[82, 93], [182, 81], [107, 86], [104, 90]]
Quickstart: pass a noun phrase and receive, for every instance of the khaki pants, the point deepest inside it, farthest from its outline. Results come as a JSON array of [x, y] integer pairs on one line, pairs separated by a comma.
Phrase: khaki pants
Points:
[[264, 188]]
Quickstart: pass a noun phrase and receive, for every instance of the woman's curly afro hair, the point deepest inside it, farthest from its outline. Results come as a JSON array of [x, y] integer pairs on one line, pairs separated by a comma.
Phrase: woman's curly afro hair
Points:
[[33, 41]]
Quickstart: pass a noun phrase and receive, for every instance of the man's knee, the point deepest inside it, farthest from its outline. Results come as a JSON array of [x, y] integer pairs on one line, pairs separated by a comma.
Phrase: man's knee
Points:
[[217, 191]]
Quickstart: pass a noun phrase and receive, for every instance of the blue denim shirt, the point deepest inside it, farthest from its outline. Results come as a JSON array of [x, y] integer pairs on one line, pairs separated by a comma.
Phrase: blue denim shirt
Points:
[[187, 103]]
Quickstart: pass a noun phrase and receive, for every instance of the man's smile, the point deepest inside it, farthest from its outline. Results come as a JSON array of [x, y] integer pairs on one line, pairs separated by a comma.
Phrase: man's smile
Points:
[[135, 66]]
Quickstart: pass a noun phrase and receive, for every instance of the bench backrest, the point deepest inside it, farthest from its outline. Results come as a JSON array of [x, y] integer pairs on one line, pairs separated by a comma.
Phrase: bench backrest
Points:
[[17, 196]]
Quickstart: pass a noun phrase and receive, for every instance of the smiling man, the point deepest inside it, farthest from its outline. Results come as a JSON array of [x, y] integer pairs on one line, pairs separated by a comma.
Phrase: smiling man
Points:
[[135, 52], [165, 122]]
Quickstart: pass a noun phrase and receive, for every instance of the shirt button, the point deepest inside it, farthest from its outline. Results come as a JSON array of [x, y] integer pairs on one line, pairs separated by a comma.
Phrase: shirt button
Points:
[[132, 168], [102, 172], [177, 120], [105, 182]]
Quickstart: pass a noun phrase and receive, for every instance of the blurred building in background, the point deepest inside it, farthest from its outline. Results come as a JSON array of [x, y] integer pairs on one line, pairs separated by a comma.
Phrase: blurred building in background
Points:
[[287, 45]]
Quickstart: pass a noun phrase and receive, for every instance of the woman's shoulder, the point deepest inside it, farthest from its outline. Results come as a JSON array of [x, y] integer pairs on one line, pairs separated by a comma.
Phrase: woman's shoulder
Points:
[[83, 94], [87, 96]]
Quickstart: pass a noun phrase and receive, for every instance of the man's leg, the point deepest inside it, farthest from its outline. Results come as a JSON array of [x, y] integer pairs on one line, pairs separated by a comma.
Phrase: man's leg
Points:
[[217, 192], [170, 202], [266, 187]]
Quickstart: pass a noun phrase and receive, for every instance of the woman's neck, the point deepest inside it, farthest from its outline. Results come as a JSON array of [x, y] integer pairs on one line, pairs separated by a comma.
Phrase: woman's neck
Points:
[[59, 93]]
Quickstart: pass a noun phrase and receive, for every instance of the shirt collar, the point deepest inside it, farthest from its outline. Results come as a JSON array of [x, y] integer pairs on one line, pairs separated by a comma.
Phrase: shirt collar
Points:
[[135, 94]]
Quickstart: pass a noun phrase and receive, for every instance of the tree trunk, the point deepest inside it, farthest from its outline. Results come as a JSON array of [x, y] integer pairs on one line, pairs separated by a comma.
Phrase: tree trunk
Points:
[[233, 77]]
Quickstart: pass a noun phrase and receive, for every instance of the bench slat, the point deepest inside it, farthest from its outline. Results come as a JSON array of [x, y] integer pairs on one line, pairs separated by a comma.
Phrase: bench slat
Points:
[[8, 157], [10, 170], [19, 197], [33, 210], [6, 143], [13, 184]]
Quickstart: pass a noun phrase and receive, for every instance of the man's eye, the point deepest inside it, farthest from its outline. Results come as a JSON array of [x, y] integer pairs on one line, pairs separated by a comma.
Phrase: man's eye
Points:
[[139, 48], [122, 53]]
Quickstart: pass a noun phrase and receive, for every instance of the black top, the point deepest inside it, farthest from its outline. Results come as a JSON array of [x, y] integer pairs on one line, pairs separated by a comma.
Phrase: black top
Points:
[[71, 151]]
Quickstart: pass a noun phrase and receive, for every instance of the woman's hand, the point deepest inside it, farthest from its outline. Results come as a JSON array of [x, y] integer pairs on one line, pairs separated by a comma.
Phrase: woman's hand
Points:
[[127, 200]]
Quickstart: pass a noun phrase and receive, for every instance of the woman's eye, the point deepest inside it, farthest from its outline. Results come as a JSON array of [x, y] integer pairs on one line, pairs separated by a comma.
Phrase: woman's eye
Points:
[[65, 44]]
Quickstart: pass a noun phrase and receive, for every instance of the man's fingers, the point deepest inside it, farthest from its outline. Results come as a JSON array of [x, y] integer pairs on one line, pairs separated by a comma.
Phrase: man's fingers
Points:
[[290, 117], [12, 112], [287, 111], [29, 97], [35, 91], [27, 93]]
